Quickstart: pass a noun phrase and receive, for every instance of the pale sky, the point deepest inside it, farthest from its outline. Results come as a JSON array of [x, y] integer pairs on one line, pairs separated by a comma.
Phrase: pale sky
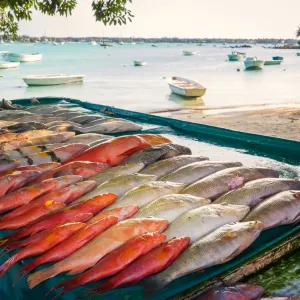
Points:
[[180, 18]]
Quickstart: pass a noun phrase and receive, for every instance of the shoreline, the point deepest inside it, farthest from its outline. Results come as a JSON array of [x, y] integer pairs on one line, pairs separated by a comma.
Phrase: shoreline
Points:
[[280, 122]]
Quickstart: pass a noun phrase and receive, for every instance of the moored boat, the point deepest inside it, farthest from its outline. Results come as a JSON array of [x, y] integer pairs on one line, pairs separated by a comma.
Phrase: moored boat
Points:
[[185, 87], [154, 45], [16, 57], [235, 56], [189, 53], [56, 79], [272, 62], [139, 63], [8, 65], [93, 43], [277, 58], [252, 63]]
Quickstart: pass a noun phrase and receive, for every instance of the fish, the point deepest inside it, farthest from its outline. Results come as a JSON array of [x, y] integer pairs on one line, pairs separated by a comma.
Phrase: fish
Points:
[[280, 209], [7, 164], [113, 151], [43, 140], [148, 192], [69, 114], [24, 151], [154, 153], [115, 261], [166, 166], [110, 173], [84, 169], [171, 207], [87, 138], [41, 168], [24, 126], [92, 206], [47, 110], [90, 254], [16, 180], [109, 127], [103, 120], [72, 244], [60, 154], [152, 262], [118, 185], [254, 192], [59, 234], [122, 213], [218, 247], [26, 135], [234, 292], [200, 221], [32, 215], [84, 119], [154, 139], [219, 183], [27, 194], [65, 194], [198, 170]]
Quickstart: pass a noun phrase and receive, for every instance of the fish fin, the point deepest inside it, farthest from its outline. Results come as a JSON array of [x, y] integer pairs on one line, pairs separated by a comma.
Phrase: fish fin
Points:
[[297, 218], [76, 271], [233, 254], [3, 241], [40, 276], [8, 264]]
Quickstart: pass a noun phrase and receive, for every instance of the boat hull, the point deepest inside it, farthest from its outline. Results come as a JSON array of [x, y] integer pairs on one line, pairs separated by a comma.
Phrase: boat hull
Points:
[[272, 62], [44, 81], [197, 92], [254, 65], [189, 53], [234, 57], [14, 57], [139, 63], [277, 58], [9, 65]]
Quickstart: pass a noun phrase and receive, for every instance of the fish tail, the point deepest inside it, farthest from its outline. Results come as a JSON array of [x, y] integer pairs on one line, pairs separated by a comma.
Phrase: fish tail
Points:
[[40, 276], [8, 264]]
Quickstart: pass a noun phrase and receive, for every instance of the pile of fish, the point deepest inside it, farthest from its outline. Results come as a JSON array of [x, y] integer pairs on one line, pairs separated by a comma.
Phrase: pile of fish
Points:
[[135, 208]]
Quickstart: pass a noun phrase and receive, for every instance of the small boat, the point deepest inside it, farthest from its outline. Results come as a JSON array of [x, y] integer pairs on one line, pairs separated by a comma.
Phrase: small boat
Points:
[[154, 45], [9, 65], [235, 56], [56, 79], [121, 43], [189, 53], [105, 45], [93, 43], [15, 57], [272, 62], [277, 58], [298, 53], [55, 44], [252, 63], [186, 87], [139, 63]]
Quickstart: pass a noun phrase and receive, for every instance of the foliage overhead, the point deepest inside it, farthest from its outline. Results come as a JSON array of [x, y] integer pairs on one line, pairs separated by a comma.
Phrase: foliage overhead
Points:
[[109, 12]]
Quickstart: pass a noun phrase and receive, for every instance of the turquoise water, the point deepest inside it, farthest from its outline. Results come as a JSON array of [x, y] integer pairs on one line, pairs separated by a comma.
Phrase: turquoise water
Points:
[[112, 79]]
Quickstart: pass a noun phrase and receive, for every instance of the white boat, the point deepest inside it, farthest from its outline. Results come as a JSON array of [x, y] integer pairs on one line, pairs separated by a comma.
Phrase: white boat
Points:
[[189, 53], [24, 57], [121, 43], [42, 80], [93, 43], [252, 63], [8, 65], [139, 63], [186, 87], [235, 56]]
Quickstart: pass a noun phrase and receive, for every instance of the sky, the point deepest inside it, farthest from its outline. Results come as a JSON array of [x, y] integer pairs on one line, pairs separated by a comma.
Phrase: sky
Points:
[[179, 18]]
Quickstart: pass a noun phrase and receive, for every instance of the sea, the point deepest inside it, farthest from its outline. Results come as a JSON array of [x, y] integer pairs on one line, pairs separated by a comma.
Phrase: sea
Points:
[[111, 78]]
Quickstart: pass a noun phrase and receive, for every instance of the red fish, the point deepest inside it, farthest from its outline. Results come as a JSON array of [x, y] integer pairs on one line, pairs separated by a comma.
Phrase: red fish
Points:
[[73, 243], [12, 182], [150, 263], [154, 139], [32, 215], [92, 206], [66, 195], [27, 194], [113, 151], [42, 168], [9, 246], [53, 238], [84, 169], [115, 261]]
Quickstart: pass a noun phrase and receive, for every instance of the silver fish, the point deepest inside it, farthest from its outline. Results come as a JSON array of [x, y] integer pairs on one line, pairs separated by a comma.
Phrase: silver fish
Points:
[[118, 185], [147, 192], [256, 191], [223, 181], [22, 127], [100, 121], [115, 171], [84, 119], [154, 153], [69, 114], [200, 221], [163, 167], [198, 170], [171, 207], [218, 247], [281, 209]]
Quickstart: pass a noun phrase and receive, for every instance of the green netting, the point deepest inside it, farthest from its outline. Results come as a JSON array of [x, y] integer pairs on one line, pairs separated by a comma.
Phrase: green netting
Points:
[[280, 149]]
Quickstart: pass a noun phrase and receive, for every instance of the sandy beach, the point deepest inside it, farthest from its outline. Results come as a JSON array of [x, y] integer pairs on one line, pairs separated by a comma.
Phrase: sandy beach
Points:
[[282, 122]]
